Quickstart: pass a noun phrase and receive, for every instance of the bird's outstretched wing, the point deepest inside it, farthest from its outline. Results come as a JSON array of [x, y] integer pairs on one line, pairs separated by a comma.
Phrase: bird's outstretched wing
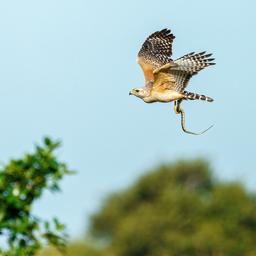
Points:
[[176, 75], [155, 52], [188, 66]]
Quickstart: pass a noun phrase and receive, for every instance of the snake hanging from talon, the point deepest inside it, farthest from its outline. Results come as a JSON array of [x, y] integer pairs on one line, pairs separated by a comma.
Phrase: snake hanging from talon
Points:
[[179, 110]]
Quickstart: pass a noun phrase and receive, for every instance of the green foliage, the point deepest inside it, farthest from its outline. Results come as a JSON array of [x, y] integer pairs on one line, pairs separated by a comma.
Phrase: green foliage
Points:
[[74, 249], [178, 209], [22, 181]]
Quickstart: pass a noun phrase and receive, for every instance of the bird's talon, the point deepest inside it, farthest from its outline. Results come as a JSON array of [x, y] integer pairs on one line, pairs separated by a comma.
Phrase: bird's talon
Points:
[[177, 107], [176, 110]]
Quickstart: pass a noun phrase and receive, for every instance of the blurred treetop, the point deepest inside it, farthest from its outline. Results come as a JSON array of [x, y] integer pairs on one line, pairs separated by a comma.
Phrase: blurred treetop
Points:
[[176, 210], [22, 181]]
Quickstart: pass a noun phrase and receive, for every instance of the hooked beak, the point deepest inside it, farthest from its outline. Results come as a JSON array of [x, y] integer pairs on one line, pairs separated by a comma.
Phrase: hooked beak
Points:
[[130, 93]]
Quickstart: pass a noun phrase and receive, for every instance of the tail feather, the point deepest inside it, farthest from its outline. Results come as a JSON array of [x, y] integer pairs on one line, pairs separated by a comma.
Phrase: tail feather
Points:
[[195, 96]]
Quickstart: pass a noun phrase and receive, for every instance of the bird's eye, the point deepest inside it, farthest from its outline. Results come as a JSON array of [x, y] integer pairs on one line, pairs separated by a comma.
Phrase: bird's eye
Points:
[[137, 90]]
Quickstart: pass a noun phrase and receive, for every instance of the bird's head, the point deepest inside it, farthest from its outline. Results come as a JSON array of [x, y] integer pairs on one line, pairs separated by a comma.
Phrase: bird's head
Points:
[[139, 92]]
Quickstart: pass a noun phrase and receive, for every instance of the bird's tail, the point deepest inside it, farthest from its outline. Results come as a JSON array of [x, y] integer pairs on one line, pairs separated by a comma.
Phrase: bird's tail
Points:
[[195, 96]]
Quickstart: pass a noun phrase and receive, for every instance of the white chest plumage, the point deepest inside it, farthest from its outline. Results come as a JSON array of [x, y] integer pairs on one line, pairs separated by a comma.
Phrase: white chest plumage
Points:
[[166, 96]]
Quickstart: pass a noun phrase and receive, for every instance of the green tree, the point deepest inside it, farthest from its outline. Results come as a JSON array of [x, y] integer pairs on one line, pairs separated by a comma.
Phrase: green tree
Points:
[[178, 209], [73, 249], [22, 181]]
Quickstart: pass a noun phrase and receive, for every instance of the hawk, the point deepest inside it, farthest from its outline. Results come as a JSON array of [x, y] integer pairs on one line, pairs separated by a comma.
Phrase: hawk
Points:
[[166, 79]]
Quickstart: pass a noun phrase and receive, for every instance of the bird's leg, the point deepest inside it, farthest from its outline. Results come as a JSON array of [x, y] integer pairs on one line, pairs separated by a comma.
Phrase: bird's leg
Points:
[[179, 110], [177, 106]]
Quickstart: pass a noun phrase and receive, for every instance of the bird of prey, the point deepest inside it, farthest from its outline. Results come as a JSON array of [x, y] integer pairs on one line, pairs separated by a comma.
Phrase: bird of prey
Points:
[[166, 79]]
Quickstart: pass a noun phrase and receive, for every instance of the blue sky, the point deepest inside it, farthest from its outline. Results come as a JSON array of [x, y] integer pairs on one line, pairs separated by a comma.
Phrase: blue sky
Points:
[[66, 68]]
